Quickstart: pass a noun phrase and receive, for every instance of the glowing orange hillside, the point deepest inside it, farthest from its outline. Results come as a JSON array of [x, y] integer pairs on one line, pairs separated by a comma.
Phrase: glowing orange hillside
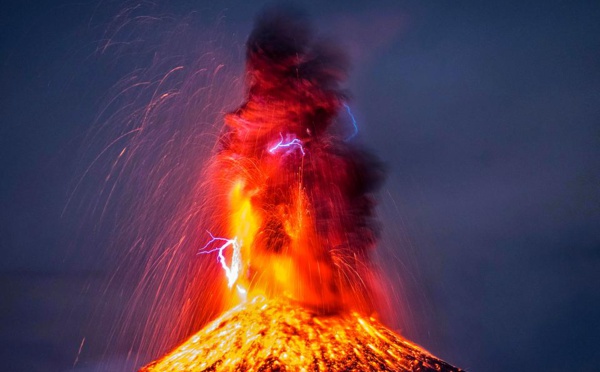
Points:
[[267, 335]]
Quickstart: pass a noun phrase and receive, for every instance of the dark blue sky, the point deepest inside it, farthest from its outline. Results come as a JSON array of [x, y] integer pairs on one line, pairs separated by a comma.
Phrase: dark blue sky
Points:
[[486, 114]]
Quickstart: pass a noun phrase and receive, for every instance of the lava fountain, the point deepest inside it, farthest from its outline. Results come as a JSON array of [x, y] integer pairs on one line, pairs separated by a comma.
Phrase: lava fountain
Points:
[[292, 224]]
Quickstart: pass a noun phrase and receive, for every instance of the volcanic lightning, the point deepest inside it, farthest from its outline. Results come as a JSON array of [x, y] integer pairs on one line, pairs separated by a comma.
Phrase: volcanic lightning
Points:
[[295, 142], [292, 204], [231, 271]]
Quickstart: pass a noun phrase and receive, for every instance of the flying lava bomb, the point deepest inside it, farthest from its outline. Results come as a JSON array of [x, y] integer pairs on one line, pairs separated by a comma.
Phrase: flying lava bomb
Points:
[[292, 223]]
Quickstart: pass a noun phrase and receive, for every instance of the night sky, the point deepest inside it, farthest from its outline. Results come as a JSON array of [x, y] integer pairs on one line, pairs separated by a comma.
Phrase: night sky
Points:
[[486, 114]]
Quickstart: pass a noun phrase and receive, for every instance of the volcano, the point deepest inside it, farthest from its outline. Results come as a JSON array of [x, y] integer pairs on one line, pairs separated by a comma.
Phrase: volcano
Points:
[[291, 220], [274, 335]]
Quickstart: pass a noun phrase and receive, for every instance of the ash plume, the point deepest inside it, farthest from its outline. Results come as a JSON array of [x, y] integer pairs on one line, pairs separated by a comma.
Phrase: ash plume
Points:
[[310, 192]]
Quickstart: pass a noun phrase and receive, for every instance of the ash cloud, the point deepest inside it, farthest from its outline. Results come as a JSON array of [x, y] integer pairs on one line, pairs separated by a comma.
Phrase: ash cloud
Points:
[[294, 94]]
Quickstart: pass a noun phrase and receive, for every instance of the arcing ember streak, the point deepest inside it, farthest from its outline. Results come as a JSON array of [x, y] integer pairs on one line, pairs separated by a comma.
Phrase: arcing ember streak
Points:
[[298, 197]]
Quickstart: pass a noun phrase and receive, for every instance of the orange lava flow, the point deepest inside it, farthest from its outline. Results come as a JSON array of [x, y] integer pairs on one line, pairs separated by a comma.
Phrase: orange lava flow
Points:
[[273, 335]]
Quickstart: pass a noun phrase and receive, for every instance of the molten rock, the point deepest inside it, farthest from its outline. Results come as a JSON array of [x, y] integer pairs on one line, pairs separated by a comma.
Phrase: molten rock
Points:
[[268, 335]]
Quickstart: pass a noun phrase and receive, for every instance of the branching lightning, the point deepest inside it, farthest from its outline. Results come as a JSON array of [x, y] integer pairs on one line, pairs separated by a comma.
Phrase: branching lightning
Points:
[[290, 143], [353, 123], [231, 272]]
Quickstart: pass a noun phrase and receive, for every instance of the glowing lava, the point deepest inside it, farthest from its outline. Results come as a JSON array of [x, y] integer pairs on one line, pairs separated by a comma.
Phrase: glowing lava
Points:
[[270, 335]]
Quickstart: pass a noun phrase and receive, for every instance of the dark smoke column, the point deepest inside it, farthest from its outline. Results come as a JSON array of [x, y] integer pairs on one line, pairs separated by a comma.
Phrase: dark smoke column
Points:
[[310, 225], [292, 205]]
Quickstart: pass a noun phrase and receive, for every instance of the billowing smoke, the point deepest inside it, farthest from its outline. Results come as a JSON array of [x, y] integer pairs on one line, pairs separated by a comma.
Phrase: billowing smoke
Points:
[[289, 187]]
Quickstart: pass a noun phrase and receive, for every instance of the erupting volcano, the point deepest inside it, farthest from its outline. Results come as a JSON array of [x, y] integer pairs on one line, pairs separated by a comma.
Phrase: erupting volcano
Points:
[[291, 222], [271, 335]]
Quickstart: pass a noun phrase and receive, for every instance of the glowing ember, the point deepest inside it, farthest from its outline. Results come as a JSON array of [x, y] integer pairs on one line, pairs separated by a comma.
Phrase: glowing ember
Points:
[[268, 335]]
